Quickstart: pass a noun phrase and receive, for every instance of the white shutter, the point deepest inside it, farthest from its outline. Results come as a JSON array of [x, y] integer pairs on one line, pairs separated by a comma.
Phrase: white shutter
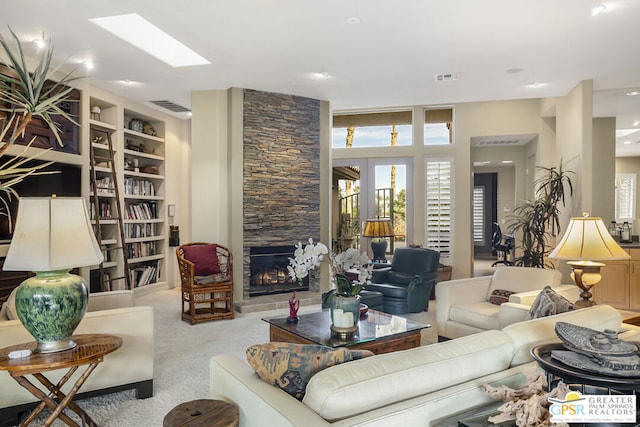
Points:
[[438, 209], [625, 196], [478, 215]]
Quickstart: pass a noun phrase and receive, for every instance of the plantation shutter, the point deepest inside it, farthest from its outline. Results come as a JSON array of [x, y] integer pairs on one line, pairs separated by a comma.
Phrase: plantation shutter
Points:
[[625, 196], [438, 209], [478, 215]]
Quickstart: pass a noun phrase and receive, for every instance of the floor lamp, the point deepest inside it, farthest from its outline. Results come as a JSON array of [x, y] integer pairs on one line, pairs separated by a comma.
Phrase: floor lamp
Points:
[[378, 230], [586, 242]]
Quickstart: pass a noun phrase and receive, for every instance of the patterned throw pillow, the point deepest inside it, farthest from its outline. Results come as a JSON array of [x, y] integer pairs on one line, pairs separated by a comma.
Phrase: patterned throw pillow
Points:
[[500, 296], [291, 366], [547, 303]]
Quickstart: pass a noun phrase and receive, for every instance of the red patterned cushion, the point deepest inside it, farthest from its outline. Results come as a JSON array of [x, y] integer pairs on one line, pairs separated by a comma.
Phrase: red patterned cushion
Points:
[[500, 296], [204, 258]]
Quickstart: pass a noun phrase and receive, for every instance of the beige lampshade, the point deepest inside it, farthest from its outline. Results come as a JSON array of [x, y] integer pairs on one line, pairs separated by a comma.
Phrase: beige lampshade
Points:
[[378, 228], [52, 233], [587, 238]]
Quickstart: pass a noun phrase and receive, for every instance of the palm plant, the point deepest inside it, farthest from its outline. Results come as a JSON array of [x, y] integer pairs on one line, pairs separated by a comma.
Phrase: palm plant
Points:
[[23, 96], [537, 222]]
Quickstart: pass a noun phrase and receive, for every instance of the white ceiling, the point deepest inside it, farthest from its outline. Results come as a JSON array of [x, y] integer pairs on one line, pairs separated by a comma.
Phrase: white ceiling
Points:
[[388, 59]]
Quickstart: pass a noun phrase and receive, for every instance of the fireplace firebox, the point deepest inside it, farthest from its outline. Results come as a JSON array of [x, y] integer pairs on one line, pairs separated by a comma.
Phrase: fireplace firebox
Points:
[[268, 271]]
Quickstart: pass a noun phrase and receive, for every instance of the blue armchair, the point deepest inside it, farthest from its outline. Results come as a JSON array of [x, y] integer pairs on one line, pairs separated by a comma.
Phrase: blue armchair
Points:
[[407, 284]]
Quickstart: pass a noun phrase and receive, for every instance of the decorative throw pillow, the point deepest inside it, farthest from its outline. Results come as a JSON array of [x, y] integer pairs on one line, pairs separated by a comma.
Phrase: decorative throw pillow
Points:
[[204, 259], [291, 366], [547, 303], [500, 296]]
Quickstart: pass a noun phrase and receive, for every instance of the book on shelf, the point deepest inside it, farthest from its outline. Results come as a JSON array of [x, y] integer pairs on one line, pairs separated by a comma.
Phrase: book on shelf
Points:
[[144, 210], [135, 231], [138, 187], [140, 249], [144, 274]]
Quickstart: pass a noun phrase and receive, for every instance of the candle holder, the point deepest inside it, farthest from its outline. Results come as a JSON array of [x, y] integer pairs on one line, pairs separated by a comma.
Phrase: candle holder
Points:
[[344, 332]]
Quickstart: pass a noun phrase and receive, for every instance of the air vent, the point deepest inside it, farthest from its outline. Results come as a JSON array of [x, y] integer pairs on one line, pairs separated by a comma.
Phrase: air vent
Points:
[[444, 77], [501, 140], [171, 106]]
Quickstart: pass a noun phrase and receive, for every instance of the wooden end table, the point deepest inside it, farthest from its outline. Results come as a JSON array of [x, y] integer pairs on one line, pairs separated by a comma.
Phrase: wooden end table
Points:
[[203, 413], [90, 350]]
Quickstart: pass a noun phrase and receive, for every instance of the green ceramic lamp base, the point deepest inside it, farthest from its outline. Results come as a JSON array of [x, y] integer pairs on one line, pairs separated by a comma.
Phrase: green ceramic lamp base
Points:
[[50, 306]]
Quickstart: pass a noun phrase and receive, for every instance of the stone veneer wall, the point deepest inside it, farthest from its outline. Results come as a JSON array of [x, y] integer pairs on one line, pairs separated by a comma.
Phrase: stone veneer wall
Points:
[[281, 189]]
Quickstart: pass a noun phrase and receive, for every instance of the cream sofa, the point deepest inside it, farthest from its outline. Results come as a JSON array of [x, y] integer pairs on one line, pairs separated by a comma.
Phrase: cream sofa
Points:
[[129, 367], [463, 306], [406, 388]]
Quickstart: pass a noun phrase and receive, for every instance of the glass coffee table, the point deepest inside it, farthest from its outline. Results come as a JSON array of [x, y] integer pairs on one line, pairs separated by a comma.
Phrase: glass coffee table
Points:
[[377, 331]]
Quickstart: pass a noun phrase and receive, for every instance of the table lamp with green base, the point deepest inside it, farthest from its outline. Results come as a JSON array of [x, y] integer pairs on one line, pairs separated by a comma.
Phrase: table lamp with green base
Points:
[[52, 236], [379, 230]]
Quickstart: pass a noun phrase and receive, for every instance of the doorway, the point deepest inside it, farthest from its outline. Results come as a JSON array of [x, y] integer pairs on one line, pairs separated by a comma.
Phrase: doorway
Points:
[[371, 189], [485, 212]]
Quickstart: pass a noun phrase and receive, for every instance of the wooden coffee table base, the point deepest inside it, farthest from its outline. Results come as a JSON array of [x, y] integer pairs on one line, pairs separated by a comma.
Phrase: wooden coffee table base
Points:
[[388, 344]]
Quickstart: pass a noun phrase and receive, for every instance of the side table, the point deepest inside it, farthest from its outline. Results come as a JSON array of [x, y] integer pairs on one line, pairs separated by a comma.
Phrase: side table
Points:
[[203, 413], [90, 350]]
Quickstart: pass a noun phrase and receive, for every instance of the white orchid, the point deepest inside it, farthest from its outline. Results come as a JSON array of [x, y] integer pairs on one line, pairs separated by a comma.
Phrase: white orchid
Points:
[[308, 257]]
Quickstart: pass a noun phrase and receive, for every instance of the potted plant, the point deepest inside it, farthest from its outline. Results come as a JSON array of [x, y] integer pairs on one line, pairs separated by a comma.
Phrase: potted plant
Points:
[[344, 294], [535, 223], [23, 96]]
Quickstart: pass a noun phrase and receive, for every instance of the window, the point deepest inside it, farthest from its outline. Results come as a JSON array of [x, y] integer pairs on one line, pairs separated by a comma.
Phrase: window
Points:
[[438, 209], [372, 129], [438, 124], [625, 196], [478, 215]]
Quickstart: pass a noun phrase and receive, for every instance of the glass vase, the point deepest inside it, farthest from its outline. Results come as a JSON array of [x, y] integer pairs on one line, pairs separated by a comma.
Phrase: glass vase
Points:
[[345, 311]]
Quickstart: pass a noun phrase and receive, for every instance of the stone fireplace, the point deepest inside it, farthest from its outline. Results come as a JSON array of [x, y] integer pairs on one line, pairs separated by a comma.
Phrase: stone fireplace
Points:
[[268, 273], [281, 174]]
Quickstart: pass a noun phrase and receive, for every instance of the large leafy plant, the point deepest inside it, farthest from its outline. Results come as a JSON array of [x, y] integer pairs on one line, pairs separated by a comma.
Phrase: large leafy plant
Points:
[[535, 223], [23, 96]]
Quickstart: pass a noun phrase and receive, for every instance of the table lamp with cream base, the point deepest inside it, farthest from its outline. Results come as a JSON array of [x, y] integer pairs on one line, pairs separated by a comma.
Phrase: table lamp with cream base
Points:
[[586, 242], [52, 236]]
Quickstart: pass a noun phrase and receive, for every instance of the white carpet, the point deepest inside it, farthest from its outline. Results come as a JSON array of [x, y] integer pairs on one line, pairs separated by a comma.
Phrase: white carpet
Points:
[[182, 353]]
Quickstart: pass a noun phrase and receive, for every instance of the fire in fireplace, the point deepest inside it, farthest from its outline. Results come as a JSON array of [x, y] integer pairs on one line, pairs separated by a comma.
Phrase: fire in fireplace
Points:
[[268, 271]]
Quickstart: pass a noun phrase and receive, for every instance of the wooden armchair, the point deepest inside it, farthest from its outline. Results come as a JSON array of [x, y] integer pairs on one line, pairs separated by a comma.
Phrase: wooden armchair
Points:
[[206, 276]]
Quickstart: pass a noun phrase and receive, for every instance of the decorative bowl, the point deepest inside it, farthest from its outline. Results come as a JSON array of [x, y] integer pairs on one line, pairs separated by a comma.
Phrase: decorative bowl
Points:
[[363, 309]]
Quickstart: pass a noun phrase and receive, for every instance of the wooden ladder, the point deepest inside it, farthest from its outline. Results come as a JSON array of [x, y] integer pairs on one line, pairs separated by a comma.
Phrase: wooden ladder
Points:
[[106, 284]]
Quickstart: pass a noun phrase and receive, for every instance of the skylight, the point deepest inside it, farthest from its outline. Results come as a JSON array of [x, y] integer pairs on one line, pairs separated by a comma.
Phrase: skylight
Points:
[[142, 34]]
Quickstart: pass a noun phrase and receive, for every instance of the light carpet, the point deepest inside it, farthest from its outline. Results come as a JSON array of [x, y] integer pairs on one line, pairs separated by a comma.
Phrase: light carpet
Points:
[[182, 353]]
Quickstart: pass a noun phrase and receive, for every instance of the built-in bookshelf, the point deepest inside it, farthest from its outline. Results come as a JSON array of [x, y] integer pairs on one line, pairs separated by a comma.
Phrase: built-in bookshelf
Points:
[[138, 143], [144, 213]]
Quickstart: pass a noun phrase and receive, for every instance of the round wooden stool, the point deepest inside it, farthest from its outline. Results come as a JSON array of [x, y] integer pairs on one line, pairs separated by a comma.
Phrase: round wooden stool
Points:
[[203, 413]]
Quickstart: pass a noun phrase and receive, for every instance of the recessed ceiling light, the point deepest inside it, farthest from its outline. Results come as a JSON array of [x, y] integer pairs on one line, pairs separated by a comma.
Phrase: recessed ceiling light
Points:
[[627, 142], [189, 113], [636, 122], [633, 93], [88, 65], [506, 161], [598, 9], [621, 133], [39, 43], [323, 75], [536, 84], [353, 20], [136, 30], [128, 82]]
